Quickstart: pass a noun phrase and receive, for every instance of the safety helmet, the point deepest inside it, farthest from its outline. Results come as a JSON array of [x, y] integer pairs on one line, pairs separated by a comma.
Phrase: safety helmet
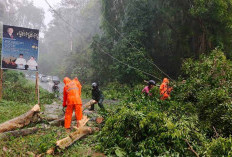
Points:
[[151, 82], [94, 85]]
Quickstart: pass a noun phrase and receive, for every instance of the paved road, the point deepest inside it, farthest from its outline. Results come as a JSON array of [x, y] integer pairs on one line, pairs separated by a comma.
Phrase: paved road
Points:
[[48, 85], [54, 110]]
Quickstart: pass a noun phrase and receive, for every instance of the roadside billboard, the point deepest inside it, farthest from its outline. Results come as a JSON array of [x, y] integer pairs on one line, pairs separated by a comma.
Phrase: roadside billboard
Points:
[[19, 48]]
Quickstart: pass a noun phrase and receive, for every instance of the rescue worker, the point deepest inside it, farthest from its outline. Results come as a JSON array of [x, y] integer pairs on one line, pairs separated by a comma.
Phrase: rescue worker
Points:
[[97, 96], [147, 88], [165, 90], [72, 100], [78, 84]]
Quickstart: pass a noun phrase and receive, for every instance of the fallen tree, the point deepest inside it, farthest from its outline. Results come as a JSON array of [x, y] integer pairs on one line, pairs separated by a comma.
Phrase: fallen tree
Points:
[[88, 104], [22, 132], [73, 137], [21, 121]]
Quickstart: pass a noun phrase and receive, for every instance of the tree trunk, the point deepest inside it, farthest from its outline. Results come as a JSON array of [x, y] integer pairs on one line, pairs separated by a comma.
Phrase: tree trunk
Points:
[[88, 104], [79, 133], [73, 136], [21, 121], [23, 132]]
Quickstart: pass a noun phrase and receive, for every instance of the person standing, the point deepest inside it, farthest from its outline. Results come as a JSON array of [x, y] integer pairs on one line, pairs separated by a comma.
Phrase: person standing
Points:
[[97, 96], [21, 62], [32, 64], [165, 90], [71, 100]]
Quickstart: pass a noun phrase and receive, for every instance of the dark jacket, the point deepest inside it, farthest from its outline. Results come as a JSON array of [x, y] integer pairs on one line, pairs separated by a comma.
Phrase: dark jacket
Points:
[[6, 35], [97, 95]]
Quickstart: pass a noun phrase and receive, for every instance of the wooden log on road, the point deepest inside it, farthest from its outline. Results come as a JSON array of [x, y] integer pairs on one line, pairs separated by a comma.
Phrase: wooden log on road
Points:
[[21, 121]]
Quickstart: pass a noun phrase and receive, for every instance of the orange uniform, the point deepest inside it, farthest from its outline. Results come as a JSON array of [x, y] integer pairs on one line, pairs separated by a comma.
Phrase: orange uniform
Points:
[[78, 84], [165, 90], [72, 99]]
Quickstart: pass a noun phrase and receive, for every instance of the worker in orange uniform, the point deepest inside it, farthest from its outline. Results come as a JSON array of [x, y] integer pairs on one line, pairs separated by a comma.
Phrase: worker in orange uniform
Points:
[[78, 84], [72, 100], [165, 90]]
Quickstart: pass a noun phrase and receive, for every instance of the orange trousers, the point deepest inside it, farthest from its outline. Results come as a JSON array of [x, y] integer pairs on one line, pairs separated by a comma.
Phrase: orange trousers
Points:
[[69, 112]]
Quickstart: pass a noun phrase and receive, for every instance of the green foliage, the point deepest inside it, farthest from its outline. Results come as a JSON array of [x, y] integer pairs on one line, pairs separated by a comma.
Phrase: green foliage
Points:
[[37, 143], [143, 133], [11, 109], [219, 147], [147, 126], [17, 88], [159, 31], [207, 88]]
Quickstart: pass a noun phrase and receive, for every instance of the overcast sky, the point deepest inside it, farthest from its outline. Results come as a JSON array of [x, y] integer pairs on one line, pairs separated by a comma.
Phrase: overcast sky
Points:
[[43, 4]]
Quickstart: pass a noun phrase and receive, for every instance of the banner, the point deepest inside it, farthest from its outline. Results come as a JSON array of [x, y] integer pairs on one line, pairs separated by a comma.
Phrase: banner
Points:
[[19, 48]]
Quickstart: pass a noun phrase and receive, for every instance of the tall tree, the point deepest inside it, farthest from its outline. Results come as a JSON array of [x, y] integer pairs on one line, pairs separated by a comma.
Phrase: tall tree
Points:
[[74, 25], [22, 13], [165, 31]]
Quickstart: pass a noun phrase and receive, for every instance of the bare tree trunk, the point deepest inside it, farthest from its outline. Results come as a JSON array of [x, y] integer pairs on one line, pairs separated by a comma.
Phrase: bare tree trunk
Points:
[[73, 137], [23, 132], [21, 121]]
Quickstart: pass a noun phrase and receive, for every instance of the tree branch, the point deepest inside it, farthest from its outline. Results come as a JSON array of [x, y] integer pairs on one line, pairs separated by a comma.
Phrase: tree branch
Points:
[[191, 148]]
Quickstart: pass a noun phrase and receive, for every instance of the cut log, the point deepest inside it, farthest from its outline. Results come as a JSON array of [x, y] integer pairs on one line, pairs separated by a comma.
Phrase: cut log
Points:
[[88, 104], [23, 132], [73, 137], [69, 140], [65, 142], [21, 121], [59, 122]]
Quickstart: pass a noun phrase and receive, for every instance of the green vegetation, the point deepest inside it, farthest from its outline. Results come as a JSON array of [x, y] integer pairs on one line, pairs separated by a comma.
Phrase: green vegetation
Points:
[[36, 143], [199, 112], [17, 88], [12, 109], [135, 34], [163, 32], [19, 95]]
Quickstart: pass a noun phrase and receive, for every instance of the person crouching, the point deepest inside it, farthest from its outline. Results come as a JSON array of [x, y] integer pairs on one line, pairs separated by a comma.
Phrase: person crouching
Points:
[[97, 96]]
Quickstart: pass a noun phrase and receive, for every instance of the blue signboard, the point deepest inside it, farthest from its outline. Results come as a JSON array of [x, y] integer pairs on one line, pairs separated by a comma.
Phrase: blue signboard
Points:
[[20, 48]]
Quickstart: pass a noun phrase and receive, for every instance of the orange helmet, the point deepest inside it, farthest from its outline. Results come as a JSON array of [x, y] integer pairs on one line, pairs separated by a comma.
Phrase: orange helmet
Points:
[[165, 80], [67, 80]]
